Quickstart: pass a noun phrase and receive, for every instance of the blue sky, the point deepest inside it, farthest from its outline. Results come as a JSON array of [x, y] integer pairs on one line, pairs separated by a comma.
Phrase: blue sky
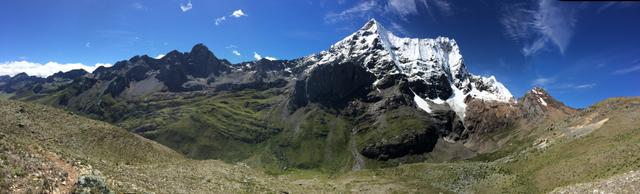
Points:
[[580, 52]]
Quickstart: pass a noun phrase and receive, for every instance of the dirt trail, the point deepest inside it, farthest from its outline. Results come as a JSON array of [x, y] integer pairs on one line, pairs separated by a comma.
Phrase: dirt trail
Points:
[[68, 185]]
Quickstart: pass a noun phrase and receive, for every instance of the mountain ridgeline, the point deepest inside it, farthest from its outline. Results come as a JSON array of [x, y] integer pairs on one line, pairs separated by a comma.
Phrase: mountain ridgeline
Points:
[[373, 99]]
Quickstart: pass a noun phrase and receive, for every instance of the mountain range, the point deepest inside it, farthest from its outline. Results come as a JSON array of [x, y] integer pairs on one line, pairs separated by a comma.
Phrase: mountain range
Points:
[[370, 101]]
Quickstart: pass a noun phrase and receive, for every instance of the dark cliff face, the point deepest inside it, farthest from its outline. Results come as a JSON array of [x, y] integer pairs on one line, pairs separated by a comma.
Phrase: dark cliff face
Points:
[[434, 87], [333, 85], [201, 62], [70, 75], [21, 81]]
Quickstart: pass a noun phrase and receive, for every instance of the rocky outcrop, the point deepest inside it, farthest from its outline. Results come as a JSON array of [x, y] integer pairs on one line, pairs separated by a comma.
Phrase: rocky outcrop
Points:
[[537, 105], [484, 117], [90, 184], [416, 142]]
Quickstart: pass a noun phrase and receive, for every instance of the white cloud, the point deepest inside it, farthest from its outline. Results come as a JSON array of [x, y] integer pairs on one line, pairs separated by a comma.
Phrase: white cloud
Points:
[[220, 20], [238, 13], [159, 56], [270, 58], [235, 52], [98, 65], [43, 70], [186, 7], [548, 22], [257, 56]]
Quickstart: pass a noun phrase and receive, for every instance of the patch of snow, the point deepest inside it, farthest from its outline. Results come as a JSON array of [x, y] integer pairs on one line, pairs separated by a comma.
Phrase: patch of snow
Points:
[[375, 83], [448, 140], [437, 101], [456, 102], [422, 104], [542, 101], [496, 91]]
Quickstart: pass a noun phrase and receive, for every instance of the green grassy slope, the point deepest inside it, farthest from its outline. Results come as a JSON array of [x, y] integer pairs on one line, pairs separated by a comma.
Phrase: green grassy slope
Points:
[[36, 137]]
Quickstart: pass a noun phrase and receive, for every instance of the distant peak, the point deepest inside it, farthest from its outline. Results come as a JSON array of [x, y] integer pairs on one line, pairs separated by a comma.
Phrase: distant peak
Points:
[[372, 21], [538, 91], [199, 47], [372, 26], [23, 74], [202, 52]]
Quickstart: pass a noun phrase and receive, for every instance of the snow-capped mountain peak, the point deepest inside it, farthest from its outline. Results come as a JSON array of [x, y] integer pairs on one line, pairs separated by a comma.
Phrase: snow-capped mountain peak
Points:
[[435, 64]]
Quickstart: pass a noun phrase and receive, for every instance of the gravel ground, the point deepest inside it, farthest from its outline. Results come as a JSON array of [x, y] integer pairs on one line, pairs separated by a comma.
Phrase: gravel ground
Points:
[[624, 183]]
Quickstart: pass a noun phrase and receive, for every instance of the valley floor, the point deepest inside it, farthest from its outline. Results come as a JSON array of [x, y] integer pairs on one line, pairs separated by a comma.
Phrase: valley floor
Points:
[[45, 149]]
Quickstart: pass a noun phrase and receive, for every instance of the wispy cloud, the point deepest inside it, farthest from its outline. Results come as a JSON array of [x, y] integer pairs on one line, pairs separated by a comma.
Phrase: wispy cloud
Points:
[[257, 56], [585, 86], [270, 58], [615, 5], [362, 9], [631, 69], [220, 20], [139, 6], [238, 13], [186, 7], [88, 45], [398, 28], [547, 22], [542, 81], [43, 70], [235, 52], [552, 84], [403, 7], [445, 7], [390, 8], [570, 86]]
